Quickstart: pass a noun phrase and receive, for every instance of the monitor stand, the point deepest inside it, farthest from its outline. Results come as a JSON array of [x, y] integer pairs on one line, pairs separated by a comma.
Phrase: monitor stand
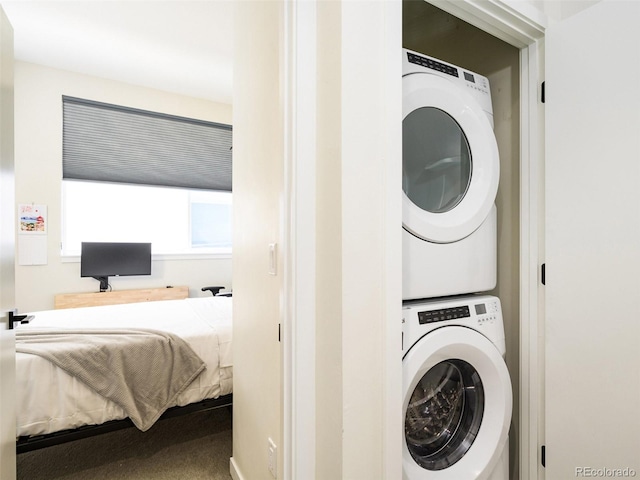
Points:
[[104, 283]]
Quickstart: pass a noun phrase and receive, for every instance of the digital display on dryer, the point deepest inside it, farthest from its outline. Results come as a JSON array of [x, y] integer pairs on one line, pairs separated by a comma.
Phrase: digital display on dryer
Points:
[[469, 77], [442, 315]]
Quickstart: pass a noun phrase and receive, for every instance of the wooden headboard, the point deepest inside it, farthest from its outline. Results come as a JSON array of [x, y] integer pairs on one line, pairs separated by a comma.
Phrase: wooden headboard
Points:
[[75, 300]]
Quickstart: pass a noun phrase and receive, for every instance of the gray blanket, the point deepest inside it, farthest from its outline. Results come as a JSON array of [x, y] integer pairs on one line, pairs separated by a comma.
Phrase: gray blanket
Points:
[[142, 371]]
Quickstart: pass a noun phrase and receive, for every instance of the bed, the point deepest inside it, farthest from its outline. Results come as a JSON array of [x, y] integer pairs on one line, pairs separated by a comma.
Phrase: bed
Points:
[[54, 406]]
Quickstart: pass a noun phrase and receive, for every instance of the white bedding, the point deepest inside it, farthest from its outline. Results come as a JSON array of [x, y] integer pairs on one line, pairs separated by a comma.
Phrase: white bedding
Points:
[[49, 400]]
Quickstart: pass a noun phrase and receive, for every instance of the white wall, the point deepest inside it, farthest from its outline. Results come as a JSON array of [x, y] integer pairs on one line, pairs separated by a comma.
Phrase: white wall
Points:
[[38, 150], [371, 106], [329, 374], [358, 325], [560, 10], [258, 184], [358, 295]]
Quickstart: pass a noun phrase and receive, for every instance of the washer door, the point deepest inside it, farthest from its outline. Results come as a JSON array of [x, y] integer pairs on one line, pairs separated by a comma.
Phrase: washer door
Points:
[[457, 406], [450, 160]]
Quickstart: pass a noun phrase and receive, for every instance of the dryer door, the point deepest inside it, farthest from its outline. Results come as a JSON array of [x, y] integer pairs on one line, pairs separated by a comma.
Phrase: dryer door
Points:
[[450, 161], [457, 406]]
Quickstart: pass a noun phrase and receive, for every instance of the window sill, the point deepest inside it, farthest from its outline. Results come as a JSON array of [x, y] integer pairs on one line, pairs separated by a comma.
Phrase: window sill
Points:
[[165, 257]]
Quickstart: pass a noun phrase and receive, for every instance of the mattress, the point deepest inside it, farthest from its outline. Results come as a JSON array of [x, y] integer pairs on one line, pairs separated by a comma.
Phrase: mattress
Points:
[[49, 400]]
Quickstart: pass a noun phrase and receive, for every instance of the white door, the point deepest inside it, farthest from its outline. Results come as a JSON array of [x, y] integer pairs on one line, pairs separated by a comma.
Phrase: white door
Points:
[[7, 257], [592, 111]]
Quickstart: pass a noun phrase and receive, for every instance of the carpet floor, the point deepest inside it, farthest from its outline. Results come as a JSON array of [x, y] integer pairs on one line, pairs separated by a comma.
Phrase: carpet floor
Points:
[[191, 447]]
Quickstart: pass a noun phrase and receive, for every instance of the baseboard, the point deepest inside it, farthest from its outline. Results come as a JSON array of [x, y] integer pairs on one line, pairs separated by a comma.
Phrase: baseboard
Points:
[[234, 470]]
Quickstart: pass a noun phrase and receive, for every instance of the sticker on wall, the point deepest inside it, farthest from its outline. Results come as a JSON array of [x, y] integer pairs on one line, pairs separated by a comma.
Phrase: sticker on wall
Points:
[[32, 219], [32, 234]]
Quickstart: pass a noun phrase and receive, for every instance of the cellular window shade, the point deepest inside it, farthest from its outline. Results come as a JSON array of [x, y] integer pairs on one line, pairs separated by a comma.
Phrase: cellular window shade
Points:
[[110, 143]]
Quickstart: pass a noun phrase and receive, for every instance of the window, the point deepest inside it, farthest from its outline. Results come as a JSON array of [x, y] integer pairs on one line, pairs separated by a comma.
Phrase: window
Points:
[[134, 175], [174, 220], [210, 221]]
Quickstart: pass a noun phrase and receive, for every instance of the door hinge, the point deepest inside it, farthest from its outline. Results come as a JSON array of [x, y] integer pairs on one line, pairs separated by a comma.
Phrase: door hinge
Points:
[[542, 92], [543, 455], [543, 274]]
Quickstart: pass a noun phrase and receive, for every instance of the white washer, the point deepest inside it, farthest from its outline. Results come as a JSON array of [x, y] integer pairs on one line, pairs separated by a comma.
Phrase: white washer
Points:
[[450, 174], [457, 391]]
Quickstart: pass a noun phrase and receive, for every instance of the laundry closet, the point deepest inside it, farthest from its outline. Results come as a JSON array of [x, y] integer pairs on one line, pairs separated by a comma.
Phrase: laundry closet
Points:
[[428, 30]]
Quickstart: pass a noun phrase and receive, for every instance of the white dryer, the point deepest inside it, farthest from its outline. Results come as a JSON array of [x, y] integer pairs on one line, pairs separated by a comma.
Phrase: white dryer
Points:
[[450, 174], [457, 396]]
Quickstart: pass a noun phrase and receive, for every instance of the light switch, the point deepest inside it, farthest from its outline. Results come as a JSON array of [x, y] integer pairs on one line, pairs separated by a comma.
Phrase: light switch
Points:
[[273, 259]]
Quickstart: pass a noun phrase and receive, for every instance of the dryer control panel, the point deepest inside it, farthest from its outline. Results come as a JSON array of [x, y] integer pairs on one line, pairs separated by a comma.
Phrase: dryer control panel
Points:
[[472, 80], [474, 83]]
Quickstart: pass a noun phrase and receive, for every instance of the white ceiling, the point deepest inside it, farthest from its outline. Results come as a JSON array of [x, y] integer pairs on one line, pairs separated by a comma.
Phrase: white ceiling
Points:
[[178, 46]]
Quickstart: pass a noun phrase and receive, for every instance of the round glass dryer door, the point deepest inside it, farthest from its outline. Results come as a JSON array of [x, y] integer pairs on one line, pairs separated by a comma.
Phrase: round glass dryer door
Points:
[[436, 160], [450, 160], [444, 414]]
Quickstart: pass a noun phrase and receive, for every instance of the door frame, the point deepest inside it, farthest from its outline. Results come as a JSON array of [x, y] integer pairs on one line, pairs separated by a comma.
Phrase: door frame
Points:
[[299, 243], [518, 24]]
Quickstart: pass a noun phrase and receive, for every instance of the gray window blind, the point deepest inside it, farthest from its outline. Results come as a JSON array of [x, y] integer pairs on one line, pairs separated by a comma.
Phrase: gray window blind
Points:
[[110, 143]]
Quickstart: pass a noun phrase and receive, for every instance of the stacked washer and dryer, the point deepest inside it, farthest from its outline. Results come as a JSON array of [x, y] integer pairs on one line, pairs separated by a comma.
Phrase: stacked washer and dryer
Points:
[[457, 391]]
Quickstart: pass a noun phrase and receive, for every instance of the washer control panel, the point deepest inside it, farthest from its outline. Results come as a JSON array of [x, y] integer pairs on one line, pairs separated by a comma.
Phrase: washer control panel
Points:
[[483, 312]]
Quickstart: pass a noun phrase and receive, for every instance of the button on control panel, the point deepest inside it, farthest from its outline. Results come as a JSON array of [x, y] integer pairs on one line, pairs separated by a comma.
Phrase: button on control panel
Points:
[[479, 313], [442, 315], [432, 64], [476, 83]]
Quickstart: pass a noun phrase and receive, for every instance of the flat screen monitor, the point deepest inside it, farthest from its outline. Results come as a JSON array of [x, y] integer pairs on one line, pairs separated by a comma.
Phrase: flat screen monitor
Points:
[[102, 260]]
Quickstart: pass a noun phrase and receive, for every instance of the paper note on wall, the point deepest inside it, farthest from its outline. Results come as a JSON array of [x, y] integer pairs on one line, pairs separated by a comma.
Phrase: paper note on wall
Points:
[[32, 234], [32, 250], [32, 219]]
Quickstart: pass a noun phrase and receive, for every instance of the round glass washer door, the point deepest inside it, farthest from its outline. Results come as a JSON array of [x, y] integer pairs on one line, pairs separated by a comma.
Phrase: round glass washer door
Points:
[[444, 414], [457, 405], [451, 165]]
